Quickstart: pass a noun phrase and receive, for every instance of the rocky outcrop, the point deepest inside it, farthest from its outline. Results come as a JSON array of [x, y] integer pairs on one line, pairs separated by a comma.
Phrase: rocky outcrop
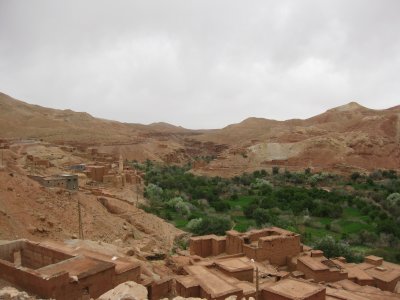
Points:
[[129, 290]]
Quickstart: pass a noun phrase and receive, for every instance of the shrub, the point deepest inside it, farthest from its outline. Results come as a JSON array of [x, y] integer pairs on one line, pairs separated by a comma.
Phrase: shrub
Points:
[[261, 216], [209, 225], [333, 248]]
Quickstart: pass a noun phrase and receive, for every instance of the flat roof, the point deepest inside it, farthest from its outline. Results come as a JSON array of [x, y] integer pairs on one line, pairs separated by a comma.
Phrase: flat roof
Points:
[[121, 264], [294, 288], [384, 274], [313, 263], [374, 258], [234, 265], [210, 282], [80, 266], [206, 237], [355, 272], [188, 281]]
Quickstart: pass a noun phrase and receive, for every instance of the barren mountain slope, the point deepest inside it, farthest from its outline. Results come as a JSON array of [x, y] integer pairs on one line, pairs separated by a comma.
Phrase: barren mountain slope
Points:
[[28, 210], [22, 120], [345, 138]]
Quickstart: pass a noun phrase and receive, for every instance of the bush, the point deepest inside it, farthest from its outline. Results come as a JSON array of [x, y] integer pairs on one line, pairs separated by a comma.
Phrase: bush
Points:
[[355, 176], [261, 216], [275, 170], [333, 248], [209, 225]]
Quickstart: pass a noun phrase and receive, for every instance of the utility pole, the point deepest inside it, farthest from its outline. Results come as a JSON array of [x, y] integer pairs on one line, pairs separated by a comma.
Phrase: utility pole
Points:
[[137, 191], [137, 195], [80, 221], [257, 284]]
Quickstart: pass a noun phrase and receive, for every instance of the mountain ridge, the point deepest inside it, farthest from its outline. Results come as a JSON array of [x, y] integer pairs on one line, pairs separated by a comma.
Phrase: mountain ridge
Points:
[[349, 135]]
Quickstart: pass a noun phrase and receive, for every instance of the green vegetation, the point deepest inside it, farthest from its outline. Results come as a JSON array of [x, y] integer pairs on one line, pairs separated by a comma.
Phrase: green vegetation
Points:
[[359, 212]]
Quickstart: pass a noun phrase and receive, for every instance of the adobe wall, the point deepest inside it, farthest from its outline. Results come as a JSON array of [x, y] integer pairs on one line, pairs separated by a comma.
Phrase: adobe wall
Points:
[[208, 245], [277, 250], [59, 286], [97, 284], [234, 243], [7, 250], [244, 275], [269, 295], [218, 246], [96, 172], [33, 282], [250, 251], [187, 292], [208, 296], [195, 247], [160, 289], [386, 286], [321, 275], [201, 247], [370, 282], [35, 256], [128, 275]]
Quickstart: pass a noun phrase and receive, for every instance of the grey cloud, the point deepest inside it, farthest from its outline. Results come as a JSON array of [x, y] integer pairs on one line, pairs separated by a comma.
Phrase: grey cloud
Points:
[[200, 64]]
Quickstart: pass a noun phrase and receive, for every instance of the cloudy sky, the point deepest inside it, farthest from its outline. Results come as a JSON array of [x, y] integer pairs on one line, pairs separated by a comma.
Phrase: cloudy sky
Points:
[[200, 64]]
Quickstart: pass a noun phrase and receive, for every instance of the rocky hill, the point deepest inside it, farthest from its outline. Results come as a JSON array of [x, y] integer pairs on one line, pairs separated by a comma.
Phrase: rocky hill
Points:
[[343, 139]]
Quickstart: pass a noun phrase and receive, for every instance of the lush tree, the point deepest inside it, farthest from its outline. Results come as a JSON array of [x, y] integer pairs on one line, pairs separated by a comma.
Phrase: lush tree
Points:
[[275, 170], [262, 216], [210, 225], [333, 248]]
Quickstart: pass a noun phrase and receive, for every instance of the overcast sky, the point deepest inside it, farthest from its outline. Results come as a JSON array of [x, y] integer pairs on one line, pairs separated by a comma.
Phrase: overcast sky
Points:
[[204, 63]]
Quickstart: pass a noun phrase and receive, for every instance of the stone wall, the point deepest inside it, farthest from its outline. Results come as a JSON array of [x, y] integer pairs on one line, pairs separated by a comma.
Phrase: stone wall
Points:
[[208, 245]]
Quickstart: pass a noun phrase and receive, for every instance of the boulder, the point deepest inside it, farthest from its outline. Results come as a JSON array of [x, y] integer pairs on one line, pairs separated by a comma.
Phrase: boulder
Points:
[[129, 290]]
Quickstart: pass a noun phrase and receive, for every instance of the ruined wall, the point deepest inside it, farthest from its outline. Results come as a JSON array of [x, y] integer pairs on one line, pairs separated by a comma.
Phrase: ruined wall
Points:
[[35, 256], [7, 250], [33, 282]]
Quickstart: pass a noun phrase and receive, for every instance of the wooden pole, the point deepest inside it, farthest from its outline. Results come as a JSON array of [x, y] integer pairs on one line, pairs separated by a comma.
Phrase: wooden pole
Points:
[[137, 191], [257, 285], [80, 221]]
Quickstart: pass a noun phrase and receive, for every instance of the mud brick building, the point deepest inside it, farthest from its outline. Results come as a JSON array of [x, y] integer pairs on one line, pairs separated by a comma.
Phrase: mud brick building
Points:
[[273, 244], [66, 181], [221, 266], [59, 274]]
